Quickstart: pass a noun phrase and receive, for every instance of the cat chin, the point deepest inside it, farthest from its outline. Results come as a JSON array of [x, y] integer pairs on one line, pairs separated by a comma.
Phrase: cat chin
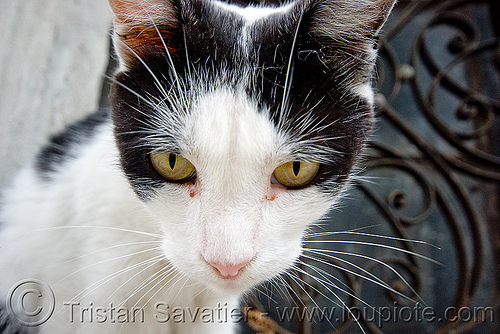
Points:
[[232, 287]]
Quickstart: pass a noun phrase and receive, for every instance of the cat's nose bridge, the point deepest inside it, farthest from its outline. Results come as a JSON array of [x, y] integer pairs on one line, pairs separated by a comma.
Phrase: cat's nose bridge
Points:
[[231, 189], [228, 239]]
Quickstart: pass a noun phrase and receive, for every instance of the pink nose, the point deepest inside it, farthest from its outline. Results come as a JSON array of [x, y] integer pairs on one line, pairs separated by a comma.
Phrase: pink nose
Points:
[[228, 270]]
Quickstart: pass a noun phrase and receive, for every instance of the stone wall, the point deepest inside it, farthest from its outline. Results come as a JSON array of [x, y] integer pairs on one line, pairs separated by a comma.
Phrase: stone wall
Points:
[[53, 54]]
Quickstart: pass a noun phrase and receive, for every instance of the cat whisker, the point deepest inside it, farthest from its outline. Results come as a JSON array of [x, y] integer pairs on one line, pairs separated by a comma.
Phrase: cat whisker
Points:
[[290, 288], [285, 287], [160, 276], [172, 65], [49, 229], [142, 98], [158, 84], [143, 131], [326, 282], [94, 286], [309, 122], [155, 128], [369, 179], [297, 279], [157, 259], [327, 221], [289, 74], [99, 283], [266, 294], [180, 289], [351, 232], [106, 261], [157, 123], [316, 104], [402, 250], [376, 280], [162, 273], [273, 288], [188, 65], [106, 249], [338, 280]]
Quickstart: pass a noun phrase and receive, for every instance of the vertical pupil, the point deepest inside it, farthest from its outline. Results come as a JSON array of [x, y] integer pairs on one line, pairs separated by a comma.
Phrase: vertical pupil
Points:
[[296, 167], [171, 160]]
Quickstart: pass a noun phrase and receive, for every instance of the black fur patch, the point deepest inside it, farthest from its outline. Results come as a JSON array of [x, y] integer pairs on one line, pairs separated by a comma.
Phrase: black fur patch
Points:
[[9, 325], [59, 149]]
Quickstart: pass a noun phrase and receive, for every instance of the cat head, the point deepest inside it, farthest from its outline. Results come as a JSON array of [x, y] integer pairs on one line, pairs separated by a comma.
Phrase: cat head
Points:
[[238, 127]]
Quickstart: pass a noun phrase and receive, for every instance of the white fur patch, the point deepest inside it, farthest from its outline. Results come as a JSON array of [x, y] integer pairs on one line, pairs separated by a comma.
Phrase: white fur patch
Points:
[[365, 91], [252, 14]]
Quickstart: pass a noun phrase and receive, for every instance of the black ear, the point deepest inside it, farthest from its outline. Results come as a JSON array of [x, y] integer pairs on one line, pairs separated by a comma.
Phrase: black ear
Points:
[[344, 33], [144, 26], [337, 18]]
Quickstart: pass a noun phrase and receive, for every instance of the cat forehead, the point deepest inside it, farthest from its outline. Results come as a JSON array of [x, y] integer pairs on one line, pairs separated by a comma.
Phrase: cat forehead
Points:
[[218, 30], [227, 124], [222, 124]]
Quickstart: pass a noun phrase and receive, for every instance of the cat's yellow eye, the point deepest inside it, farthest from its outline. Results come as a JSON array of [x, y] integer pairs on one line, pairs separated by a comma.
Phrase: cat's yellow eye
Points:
[[171, 166], [296, 174]]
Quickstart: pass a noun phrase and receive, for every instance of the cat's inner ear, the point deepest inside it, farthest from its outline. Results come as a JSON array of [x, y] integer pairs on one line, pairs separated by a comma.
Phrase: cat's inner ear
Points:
[[142, 27]]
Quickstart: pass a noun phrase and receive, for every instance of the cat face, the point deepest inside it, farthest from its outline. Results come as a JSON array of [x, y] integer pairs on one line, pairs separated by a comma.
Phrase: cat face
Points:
[[238, 127]]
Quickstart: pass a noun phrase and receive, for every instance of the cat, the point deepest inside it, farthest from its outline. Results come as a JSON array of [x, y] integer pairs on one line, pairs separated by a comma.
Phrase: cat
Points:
[[233, 128]]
